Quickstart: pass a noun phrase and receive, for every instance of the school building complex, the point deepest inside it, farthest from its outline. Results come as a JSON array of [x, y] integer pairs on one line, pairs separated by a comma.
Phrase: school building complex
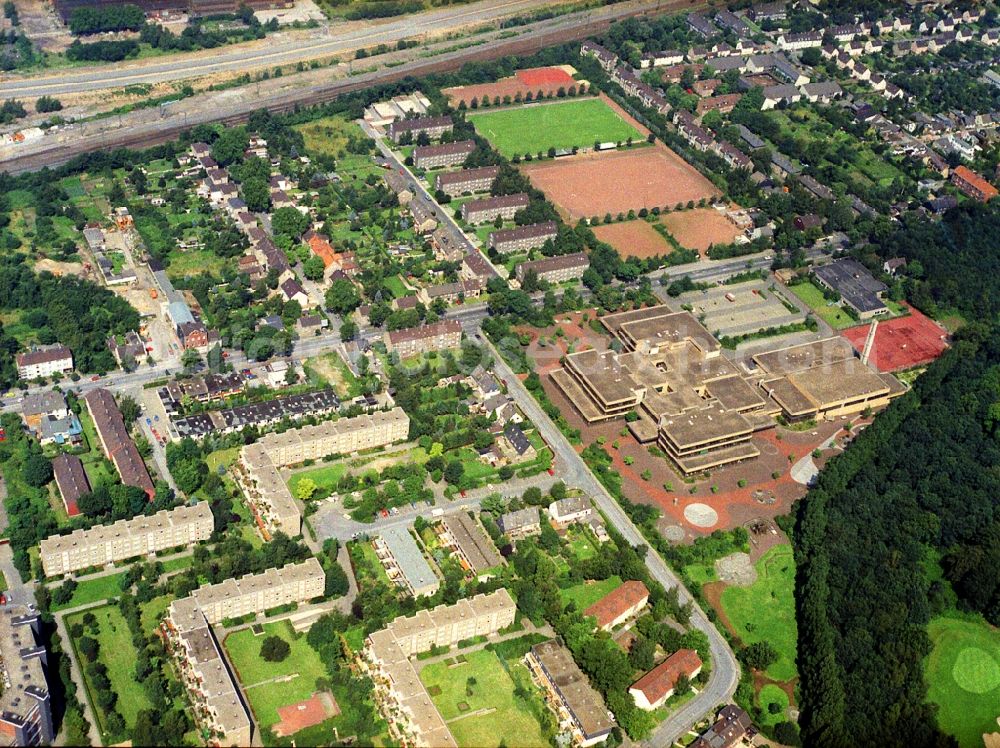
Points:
[[697, 405]]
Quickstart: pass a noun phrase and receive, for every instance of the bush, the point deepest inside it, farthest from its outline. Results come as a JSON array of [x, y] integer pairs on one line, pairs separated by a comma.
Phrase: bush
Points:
[[275, 649]]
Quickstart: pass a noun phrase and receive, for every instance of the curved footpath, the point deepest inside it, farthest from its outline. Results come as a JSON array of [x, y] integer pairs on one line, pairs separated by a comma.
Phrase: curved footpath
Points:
[[725, 670]]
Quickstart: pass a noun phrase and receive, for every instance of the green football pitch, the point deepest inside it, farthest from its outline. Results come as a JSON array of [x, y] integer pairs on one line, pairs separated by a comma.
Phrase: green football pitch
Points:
[[561, 125]]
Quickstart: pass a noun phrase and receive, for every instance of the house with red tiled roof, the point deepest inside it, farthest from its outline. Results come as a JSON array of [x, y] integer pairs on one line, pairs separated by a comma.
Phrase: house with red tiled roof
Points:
[[656, 686], [619, 605], [321, 247]]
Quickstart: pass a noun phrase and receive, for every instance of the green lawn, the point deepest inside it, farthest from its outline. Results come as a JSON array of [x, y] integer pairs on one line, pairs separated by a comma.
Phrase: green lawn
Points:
[[564, 124], [265, 682], [765, 611], [118, 654], [832, 314], [963, 677], [772, 694], [193, 262], [510, 719], [94, 590], [589, 592], [325, 477]]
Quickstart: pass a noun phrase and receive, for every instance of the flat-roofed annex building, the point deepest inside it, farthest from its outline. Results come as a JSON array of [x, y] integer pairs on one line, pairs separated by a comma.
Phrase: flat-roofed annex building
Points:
[[399, 694], [824, 379], [404, 563], [578, 707], [140, 536], [188, 628], [257, 470]]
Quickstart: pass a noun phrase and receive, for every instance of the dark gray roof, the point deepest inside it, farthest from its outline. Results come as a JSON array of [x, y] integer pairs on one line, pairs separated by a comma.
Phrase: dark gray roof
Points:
[[854, 283]]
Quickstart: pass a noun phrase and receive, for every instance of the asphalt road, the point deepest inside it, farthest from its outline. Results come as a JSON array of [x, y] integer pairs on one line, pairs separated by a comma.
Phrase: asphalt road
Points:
[[251, 56], [725, 670]]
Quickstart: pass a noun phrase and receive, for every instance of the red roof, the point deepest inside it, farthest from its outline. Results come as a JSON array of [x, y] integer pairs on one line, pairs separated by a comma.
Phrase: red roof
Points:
[[968, 176], [661, 679], [322, 249], [617, 602], [545, 77]]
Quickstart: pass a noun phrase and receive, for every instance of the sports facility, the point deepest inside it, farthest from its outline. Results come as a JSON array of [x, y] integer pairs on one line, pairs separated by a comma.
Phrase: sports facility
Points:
[[316, 709], [545, 81], [634, 239], [700, 228], [902, 343], [593, 184], [561, 124], [963, 677]]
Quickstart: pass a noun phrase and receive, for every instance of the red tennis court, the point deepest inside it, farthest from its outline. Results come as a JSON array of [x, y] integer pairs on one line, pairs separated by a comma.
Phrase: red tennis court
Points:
[[902, 343], [545, 77]]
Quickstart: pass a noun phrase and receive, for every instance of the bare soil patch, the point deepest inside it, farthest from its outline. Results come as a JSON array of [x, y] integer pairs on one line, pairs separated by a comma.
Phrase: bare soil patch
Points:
[[700, 228], [634, 239], [736, 569], [594, 184]]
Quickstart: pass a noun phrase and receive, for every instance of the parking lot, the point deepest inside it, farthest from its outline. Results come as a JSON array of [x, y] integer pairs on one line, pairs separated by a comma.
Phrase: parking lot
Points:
[[740, 309]]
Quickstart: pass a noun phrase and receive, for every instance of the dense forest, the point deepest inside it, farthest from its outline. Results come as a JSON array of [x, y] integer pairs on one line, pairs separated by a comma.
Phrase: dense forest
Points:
[[920, 484]]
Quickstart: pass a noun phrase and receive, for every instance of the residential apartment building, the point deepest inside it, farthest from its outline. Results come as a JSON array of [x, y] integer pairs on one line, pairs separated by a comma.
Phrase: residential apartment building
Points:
[[656, 686], [619, 605], [44, 361], [489, 208], [400, 696], [342, 436], [254, 593], [71, 480], [570, 510], [456, 183], [25, 704], [468, 542], [523, 238], [219, 708], [116, 442], [411, 341], [447, 154], [520, 524], [404, 563], [432, 127], [257, 470], [966, 180], [558, 269], [578, 707], [140, 536]]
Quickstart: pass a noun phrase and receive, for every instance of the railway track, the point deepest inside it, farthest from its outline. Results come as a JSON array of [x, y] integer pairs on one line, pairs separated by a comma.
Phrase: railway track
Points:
[[156, 133]]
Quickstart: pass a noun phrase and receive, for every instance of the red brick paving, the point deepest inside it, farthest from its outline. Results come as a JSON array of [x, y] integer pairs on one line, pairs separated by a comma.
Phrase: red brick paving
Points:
[[544, 77], [294, 717]]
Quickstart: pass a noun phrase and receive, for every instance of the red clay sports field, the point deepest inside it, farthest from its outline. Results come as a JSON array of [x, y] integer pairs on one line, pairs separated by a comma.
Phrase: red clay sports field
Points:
[[902, 343]]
